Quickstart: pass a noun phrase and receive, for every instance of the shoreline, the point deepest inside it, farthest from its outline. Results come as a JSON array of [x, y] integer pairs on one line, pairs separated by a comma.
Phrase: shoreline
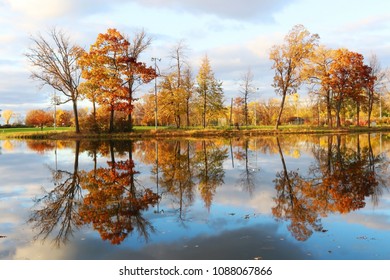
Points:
[[189, 133]]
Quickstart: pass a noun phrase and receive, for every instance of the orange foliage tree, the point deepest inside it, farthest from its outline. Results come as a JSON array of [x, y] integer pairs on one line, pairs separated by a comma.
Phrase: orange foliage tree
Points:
[[288, 60], [348, 78], [39, 118], [110, 68]]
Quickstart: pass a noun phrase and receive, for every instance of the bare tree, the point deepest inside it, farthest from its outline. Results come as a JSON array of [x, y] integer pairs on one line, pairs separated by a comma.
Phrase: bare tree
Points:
[[138, 44], [54, 60], [247, 88], [378, 86], [178, 56]]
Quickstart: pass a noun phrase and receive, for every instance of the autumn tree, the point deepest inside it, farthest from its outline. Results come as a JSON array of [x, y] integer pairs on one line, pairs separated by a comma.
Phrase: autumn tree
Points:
[[110, 67], [348, 78], [91, 92], [288, 60], [247, 89], [317, 72], [172, 102], [177, 86], [145, 107], [238, 111], [7, 115], [39, 118], [64, 118], [54, 60], [209, 91]]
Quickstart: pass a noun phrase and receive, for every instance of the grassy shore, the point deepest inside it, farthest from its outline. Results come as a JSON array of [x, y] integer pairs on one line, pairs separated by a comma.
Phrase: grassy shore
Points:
[[169, 132]]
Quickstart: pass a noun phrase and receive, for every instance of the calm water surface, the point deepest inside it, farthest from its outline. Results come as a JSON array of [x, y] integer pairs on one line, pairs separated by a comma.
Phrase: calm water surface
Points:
[[292, 197]]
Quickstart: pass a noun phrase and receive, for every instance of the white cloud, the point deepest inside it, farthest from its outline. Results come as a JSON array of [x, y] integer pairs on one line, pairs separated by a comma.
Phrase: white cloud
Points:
[[40, 8], [260, 10]]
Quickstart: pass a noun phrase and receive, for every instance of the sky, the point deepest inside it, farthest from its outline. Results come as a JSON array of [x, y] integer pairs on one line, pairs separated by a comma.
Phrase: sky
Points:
[[235, 35]]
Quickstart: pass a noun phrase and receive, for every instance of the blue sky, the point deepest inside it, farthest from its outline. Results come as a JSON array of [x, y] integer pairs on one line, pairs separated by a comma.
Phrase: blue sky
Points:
[[235, 35]]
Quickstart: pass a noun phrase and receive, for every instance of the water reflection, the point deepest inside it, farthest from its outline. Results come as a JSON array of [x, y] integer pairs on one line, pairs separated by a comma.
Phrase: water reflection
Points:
[[58, 209], [120, 188], [341, 178]]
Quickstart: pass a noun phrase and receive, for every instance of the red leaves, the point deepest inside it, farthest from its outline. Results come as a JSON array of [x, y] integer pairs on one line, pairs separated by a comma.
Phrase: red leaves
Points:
[[110, 69]]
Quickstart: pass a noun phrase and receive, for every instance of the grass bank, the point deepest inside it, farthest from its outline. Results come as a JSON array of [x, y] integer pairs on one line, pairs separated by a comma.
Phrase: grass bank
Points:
[[33, 133], [169, 132]]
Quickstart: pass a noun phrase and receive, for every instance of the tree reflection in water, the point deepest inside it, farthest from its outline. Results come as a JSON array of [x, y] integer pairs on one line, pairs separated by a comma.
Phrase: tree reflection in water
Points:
[[209, 160], [247, 178], [339, 181], [59, 207], [113, 204], [342, 175], [183, 165]]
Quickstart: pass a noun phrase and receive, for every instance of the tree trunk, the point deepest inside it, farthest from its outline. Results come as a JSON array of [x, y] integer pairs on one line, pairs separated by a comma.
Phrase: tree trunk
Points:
[[329, 111], [357, 113], [370, 105], [76, 115], [280, 111], [246, 110], [338, 109], [204, 110], [188, 112], [111, 129], [130, 100]]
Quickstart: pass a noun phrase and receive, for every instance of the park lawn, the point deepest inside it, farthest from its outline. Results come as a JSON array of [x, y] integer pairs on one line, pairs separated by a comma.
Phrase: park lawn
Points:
[[33, 132], [34, 129]]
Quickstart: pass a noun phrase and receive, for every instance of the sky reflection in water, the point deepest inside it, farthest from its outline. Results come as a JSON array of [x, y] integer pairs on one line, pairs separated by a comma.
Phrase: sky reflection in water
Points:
[[271, 198]]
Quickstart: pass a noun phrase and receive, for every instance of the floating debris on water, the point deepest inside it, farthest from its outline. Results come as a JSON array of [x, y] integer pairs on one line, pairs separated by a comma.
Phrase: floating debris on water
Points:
[[363, 237], [245, 237]]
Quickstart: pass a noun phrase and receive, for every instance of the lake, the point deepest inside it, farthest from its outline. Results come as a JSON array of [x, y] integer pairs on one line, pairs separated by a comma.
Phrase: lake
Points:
[[297, 197]]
